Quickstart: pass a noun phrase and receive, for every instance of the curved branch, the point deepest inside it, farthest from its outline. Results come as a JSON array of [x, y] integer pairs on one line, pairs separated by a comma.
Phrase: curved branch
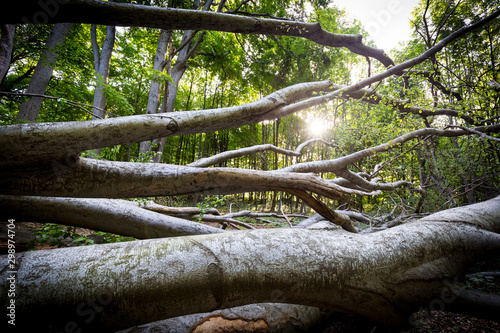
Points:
[[371, 96], [225, 219], [247, 213], [395, 70], [115, 216], [227, 155], [339, 164], [97, 178], [120, 14], [177, 211]]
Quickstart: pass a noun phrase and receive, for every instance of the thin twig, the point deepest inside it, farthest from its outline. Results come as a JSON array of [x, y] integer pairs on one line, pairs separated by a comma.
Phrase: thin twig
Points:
[[286, 218], [475, 132], [72, 103]]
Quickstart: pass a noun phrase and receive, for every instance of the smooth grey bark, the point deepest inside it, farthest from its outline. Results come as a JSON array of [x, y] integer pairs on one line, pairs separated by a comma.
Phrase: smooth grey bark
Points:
[[230, 154], [118, 14], [116, 216], [102, 62], [262, 317], [43, 73], [142, 128], [159, 64], [382, 276], [97, 179], [6, 46], [85, 135]]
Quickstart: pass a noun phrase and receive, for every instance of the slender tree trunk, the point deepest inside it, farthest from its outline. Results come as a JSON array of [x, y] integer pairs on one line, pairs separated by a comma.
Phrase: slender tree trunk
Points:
[[178, 70], [102, 61], [43, 73], [164, 39], [171, 88], [6, 47]]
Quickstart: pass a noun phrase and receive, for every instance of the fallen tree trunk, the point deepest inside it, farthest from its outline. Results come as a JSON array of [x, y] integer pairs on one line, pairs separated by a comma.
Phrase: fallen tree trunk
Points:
[[116, 216], [382, 276], [119, 14], [262, 317]]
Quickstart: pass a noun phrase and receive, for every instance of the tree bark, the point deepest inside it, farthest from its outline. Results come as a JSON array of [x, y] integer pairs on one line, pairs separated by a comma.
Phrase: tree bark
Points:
[[6, 46], [227, 155], [262, 317], [85, 135], [382, 276], [43, 73], [106, 13], [116, 216], [102, 61], [159, 64]]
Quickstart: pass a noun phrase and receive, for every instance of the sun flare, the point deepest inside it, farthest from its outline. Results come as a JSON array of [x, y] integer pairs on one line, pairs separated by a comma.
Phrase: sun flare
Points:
[[317, 127]]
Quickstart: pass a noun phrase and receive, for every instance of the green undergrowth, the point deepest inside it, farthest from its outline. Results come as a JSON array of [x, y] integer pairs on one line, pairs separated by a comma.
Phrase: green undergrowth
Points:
[[56, 235]]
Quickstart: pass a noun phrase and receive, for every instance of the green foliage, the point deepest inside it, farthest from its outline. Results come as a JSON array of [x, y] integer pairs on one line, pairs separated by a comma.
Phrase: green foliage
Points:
[[142, 200], [487, 283], [214, 201], [147, 157], [63, 236], [55, 235]]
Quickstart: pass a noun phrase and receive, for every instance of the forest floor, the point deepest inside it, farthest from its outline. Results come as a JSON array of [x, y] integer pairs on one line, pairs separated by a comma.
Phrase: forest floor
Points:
[[423, 321]]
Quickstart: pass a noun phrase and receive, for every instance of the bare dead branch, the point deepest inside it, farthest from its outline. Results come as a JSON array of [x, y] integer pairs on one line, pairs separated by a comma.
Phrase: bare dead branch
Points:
[[471, 130], [435, 82], [72, 103], [223, 218], [227, 155], [177, 211], [126, 179], [337, 165]]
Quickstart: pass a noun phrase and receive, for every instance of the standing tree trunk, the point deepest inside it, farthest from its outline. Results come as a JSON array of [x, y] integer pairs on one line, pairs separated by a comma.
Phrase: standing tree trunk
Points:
[[171, 89], [102, 61], [160, 62], [185, 52], [6, 47], [43, 73]]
